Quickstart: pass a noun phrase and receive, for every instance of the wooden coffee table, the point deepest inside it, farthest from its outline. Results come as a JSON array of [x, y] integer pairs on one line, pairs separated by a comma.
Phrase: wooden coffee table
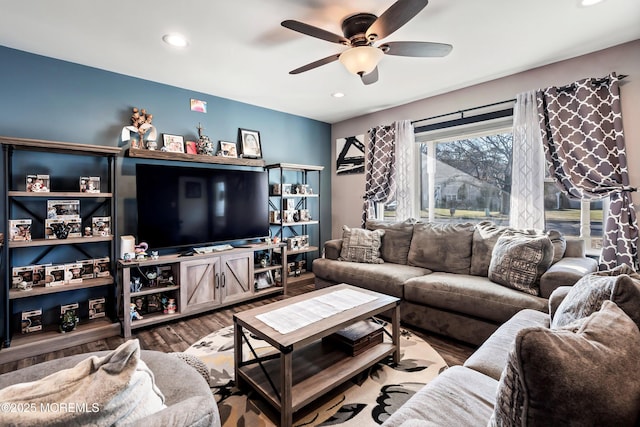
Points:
[[304, 367]]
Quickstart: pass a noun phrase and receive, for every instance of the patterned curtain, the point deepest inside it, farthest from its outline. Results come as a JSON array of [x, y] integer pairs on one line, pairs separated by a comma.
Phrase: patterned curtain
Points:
[[527, 176], [583, 141], [405, 175], [381, 169]]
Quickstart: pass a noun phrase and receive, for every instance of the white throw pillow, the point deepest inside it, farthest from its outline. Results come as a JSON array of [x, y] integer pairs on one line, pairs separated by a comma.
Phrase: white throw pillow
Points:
[[98, 391]]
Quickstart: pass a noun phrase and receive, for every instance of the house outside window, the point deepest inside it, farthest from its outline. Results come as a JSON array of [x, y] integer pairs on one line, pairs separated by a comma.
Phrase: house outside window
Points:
[[464, 175]]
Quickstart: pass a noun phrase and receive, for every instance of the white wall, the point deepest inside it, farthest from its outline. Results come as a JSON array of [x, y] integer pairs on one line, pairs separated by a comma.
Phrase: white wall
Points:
[[347, 190]]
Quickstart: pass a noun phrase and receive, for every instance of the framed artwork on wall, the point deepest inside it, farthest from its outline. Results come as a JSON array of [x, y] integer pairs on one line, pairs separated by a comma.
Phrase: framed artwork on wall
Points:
[[350, 155], [250, 143]]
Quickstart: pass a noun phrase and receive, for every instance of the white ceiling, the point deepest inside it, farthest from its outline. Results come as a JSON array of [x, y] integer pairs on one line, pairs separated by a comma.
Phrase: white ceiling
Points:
[[238, 49]]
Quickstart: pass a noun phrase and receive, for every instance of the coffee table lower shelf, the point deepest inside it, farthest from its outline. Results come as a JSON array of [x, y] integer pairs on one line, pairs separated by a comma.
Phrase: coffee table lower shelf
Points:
[[317, 369]]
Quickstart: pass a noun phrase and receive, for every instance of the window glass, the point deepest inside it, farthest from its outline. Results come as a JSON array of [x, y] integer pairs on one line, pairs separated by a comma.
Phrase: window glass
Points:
[[471, 179]]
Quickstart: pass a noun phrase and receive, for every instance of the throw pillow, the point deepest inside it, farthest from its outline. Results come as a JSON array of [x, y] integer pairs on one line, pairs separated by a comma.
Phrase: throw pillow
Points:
[[359, 245], [441, 247], [114, 389], [396, 240], [620, 285], [518, 261], [572, 377], [559, 245]]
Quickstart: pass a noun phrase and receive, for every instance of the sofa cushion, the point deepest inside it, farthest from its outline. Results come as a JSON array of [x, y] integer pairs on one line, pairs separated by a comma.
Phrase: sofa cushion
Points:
[[396, 240], [458, 397], [473, 295], [114, 389], [519, 261], [385, 278], [577, 376], [360, 245], [441, 247], [620, 285], [491, 358]]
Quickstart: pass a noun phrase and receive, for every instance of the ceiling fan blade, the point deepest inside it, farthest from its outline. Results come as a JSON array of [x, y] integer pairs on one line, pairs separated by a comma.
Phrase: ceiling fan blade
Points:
[[417, 49], [312, 31], [395, 17], [370, 78], [315, 64]]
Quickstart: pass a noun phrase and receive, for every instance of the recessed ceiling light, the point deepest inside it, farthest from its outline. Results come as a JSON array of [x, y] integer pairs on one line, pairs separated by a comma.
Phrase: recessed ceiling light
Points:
[[587, 3], [174, 39], [337, 94]]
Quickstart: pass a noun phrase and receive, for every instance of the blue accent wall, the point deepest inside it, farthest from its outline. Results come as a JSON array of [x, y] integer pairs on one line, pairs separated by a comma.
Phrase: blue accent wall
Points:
[[50, 99]]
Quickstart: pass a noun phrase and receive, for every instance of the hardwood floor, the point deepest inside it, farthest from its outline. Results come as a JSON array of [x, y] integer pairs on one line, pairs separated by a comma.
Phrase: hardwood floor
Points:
[[178, 336]]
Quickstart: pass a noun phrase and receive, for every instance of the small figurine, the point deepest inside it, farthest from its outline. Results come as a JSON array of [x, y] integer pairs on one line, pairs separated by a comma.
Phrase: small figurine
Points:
[[136, 285], [68, 321], [133, 312], [141, 250], [152, 276]]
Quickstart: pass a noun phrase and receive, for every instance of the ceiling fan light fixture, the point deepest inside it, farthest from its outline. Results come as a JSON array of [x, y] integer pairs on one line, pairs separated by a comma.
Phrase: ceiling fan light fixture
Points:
[[361, 60]]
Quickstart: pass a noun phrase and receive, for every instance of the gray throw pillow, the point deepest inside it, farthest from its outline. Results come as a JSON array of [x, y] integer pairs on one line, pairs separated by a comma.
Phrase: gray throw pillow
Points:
[[518, 261], [578, 376], [359, 245], [396, 240], [620, 285], [559, 245]]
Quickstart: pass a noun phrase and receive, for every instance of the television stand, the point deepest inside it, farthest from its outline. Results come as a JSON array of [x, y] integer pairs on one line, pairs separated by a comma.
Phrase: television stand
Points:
[[197, 283]]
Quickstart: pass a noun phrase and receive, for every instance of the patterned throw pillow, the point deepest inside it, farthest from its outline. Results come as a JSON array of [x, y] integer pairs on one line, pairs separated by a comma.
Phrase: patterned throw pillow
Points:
[[518, 261], [359, 245], [574, 376], [620, 285]]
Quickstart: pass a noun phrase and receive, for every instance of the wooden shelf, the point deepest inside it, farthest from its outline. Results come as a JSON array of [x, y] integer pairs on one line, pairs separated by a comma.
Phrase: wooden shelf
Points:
[[258, 269], [293, 196], [33, 344], [293, 224], [153, 318], [301, 251], [306, 278], [56, 242], [316, 369], [59, 194], [156, 290], [38, 290], [295, 166], [60, 147], [163, 155]]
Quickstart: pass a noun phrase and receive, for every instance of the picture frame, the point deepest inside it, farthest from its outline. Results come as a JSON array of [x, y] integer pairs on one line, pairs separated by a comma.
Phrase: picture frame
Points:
[[173, 143], [228, 149], [249, 141]]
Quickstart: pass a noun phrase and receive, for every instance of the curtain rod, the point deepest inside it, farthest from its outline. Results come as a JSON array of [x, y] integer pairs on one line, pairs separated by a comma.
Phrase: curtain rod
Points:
[[461, 112]]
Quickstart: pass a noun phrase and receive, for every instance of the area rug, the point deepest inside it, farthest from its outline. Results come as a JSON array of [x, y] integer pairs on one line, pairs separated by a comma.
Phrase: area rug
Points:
[[368, 399]]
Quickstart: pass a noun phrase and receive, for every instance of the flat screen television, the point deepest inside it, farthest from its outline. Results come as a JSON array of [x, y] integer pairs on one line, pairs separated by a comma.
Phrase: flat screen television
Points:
[[182, 207]]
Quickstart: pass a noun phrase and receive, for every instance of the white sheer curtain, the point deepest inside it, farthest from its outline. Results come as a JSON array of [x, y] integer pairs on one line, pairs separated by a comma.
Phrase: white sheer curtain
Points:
[[405, 170], [527, 179]]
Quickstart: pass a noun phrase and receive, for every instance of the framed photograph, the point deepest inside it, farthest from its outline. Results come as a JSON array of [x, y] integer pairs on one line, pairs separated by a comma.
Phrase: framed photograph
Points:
[[228, 149], [173, 143], [250, 143]]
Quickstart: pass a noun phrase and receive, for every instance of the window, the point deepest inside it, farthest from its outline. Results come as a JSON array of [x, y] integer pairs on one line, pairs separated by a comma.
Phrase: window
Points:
[[465, 176]]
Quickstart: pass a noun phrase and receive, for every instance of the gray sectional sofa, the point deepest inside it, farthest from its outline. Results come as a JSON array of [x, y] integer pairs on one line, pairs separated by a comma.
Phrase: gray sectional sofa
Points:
[[576, 366], [444, 274]]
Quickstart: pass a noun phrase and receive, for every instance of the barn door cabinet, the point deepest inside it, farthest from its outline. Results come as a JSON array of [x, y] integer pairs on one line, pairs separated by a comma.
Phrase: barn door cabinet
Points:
[[196, 284]]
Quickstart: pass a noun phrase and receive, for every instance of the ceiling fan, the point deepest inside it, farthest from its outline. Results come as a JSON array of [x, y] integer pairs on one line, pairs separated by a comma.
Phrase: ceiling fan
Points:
[[361, 31]]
